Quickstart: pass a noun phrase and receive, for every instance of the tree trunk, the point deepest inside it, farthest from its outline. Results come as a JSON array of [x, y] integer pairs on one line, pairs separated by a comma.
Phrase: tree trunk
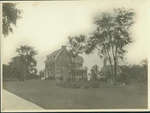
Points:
[[111, 65], [115, 69]]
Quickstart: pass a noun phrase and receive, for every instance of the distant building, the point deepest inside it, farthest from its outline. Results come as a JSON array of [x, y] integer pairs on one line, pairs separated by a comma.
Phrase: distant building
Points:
[[63, 66]]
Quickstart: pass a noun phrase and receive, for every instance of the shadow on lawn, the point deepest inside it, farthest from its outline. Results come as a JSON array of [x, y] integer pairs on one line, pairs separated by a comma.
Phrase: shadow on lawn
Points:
[[49, 96]]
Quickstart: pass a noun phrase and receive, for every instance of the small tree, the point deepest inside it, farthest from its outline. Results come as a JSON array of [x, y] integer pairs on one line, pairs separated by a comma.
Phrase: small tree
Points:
[[145, 69], [95, 71]]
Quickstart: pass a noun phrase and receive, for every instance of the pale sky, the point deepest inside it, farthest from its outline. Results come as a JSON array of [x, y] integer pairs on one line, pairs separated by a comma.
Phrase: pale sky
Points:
[[46, 26]]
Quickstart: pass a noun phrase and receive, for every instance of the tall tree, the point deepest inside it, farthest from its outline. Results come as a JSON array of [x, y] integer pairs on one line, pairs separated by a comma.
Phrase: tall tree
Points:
[[111, 36], [10, 16], [27, 53], [24, 61]]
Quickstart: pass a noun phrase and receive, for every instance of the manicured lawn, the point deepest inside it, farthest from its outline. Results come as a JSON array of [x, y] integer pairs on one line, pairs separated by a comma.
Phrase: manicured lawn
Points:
[[49, 96]]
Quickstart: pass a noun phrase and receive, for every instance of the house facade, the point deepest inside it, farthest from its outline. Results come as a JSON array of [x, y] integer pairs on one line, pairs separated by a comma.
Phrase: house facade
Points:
[[61, 65]]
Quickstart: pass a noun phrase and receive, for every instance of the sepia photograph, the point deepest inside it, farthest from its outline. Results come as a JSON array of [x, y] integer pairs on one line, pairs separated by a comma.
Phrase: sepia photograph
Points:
[[75, 55]]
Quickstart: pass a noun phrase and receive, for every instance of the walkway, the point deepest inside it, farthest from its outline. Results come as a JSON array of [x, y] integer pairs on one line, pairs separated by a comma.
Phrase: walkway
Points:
[[11, 102]]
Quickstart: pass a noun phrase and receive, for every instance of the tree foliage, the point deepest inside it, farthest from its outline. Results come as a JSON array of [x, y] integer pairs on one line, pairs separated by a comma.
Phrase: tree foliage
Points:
[[18, 68], [77, 44], [27, 54], [10, 16], [134, 73]]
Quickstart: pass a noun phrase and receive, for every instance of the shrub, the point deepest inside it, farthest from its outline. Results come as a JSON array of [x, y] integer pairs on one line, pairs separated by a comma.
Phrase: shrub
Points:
[[75, 85], [134, 73], [94, 84]]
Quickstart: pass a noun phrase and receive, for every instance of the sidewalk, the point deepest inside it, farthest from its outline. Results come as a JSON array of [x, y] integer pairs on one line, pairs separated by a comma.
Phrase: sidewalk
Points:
[[11, 102]]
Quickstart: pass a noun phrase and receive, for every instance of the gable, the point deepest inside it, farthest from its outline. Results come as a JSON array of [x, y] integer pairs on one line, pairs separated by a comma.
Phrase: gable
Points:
[[63, 57]]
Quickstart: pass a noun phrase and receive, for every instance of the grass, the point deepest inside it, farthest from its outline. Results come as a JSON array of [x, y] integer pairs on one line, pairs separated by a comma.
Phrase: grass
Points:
[[49, 96]]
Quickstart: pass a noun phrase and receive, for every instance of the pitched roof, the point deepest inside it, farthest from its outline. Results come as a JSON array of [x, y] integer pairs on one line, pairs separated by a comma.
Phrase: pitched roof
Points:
[[53, 56]]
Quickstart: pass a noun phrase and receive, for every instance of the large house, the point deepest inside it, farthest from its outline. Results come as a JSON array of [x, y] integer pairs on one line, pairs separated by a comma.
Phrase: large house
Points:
[[61, 65]]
